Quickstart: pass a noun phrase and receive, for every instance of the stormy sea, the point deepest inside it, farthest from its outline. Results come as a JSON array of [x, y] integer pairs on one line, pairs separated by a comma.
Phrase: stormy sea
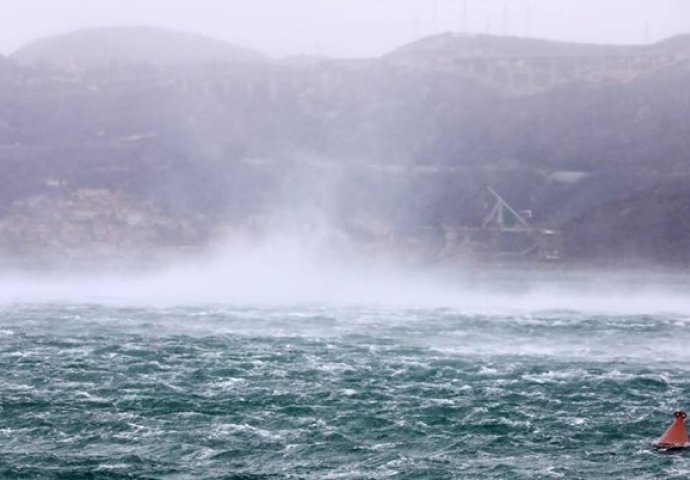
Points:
[[539, 386]]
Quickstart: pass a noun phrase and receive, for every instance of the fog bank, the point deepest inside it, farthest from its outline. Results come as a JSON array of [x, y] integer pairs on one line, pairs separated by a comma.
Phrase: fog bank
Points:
[[290, 270]]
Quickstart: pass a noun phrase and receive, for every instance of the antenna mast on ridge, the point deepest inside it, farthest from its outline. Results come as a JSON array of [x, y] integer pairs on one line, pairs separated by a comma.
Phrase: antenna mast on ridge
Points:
[[464, 24], [528, 21], [505, 21], [435, 17]]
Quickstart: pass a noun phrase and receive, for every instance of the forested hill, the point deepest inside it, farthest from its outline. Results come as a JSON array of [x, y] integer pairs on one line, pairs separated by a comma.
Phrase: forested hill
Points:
[[126, 139]]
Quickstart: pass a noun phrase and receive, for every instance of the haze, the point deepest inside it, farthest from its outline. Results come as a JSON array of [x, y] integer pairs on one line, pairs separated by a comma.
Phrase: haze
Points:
[[287, 271], [353, 27]]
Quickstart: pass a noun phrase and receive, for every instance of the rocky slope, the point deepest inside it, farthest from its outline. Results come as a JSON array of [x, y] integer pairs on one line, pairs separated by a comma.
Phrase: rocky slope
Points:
[[206, 137]]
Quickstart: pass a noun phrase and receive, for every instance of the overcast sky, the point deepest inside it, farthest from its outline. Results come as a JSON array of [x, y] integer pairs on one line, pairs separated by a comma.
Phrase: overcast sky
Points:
[[351, 27]]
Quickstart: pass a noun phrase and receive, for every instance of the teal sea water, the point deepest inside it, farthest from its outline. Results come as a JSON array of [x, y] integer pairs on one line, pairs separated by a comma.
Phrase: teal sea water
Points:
[[107, 392]]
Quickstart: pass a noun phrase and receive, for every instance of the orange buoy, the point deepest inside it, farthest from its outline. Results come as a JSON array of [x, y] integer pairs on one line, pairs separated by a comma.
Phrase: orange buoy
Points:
[[675, 436]]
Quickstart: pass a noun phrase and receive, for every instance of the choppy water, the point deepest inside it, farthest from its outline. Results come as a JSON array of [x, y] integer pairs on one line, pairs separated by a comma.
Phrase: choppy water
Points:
[[347, 393]]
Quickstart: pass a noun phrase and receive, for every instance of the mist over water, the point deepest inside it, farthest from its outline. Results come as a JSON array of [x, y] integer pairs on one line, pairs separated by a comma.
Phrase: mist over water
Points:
[[292, 269]]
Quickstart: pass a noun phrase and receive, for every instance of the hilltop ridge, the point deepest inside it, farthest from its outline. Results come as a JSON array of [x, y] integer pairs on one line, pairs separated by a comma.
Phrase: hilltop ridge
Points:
[[473, 45], [102, 47]]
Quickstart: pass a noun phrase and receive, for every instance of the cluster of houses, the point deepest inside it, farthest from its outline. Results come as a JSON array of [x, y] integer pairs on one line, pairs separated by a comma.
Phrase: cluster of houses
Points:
[[91, 224]]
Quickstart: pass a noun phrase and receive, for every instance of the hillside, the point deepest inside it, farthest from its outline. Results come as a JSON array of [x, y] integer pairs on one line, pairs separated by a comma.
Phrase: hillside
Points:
[[108, 47], [388, 149], [457, 46]]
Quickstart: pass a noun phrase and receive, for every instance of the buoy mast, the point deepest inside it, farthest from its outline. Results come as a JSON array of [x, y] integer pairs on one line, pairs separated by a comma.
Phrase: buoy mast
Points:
[[676, 435]]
